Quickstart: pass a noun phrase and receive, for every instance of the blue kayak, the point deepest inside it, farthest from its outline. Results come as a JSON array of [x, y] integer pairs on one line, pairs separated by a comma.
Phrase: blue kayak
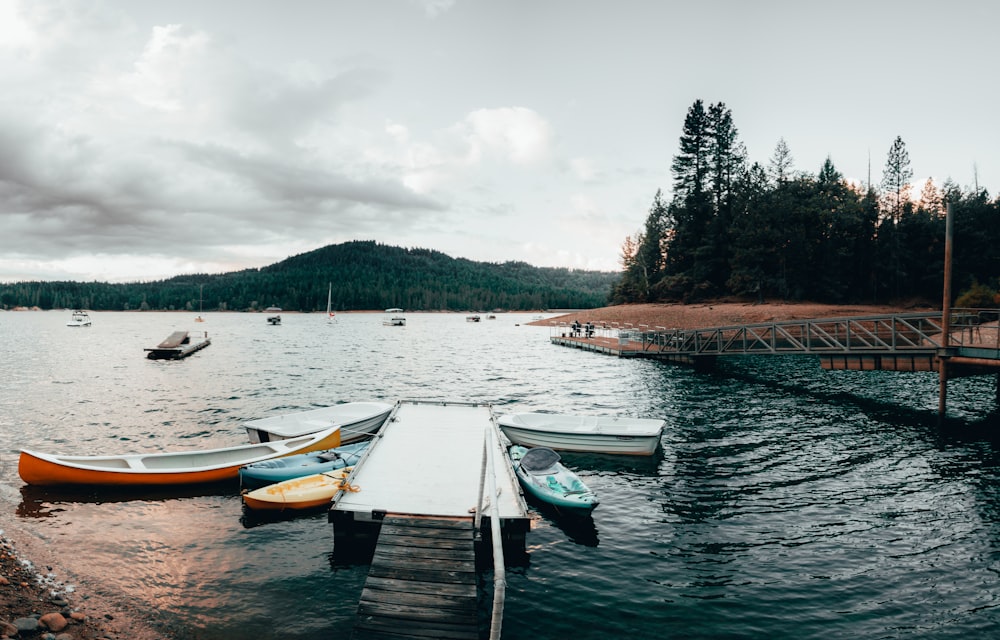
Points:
[[266, 472], [544, 477]]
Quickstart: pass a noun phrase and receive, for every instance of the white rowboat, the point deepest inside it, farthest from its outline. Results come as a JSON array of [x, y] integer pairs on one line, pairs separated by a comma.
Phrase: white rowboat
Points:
[[357, 421], [592, 434]]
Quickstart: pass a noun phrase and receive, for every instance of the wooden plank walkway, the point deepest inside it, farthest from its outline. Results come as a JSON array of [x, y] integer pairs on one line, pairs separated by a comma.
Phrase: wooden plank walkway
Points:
[[422, 581]]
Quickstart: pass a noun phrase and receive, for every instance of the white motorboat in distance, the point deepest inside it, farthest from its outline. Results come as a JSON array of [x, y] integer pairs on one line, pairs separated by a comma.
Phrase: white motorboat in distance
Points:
[[357, 421], [591, 434], [79, 318], [394, 318]]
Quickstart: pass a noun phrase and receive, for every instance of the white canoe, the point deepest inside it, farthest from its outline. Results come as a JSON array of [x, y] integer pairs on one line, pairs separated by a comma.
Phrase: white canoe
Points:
[[592, 434], [307, 492], [357, 421], [161, 469]]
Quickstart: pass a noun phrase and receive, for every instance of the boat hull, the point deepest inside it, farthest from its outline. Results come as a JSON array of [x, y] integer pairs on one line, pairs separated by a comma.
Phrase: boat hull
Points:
[[275, 470], [357, 420], [589, 434], [557, 486], [307, 492], [161, 469]]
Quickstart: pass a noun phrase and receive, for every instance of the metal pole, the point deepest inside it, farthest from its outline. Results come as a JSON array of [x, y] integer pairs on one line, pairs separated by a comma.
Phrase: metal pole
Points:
[[945, 317]]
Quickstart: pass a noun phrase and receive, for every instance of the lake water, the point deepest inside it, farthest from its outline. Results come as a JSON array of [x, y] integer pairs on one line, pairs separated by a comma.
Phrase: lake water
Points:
[[786, 502]]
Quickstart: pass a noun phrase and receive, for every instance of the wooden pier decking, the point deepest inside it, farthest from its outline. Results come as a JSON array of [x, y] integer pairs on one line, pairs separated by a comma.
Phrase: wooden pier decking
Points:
[[420, 485], [422, 582]]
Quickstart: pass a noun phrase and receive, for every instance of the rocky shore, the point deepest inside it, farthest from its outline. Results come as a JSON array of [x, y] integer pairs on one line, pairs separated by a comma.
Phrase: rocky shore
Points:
[[28, 608]]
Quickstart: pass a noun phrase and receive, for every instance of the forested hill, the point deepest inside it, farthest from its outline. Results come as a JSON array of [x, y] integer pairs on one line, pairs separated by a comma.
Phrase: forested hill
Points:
[[365, 276]]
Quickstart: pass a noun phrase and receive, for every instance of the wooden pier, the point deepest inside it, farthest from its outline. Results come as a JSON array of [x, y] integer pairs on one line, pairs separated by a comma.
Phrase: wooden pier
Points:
[[965, 342], [422, 582], [433, 474]]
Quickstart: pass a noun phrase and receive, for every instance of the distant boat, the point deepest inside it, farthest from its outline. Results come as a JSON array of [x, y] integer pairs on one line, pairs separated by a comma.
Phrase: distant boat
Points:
[[79, 318], [394, 318], [591, 434], [329, 301], [201, 302], [276, 318], [179, 344], [160, 469], [474, 318], [357, 420]]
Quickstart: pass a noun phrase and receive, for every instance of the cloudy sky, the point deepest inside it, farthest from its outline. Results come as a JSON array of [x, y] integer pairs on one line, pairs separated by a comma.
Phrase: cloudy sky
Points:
[[141, 139]]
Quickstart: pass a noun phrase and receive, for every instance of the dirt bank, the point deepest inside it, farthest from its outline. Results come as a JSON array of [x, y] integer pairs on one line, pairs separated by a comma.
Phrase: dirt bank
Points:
[[716, 314]]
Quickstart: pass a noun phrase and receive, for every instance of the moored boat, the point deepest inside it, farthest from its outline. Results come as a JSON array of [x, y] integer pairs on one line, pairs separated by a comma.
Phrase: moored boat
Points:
[[394, 318], [307, 492], [592, 434], [274, 470], [272, 320], [179, 344], [357, 421], [173, 468], [80, 318], [544, 477]]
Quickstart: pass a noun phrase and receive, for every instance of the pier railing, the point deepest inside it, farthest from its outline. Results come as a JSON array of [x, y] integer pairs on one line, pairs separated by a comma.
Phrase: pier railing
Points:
[[910, 333], [488, 501]]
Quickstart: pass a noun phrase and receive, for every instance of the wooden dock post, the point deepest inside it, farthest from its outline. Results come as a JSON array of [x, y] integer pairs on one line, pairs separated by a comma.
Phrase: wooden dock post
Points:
[[945, 318]]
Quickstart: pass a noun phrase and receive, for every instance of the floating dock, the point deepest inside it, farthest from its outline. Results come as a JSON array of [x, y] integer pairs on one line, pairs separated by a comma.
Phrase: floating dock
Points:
[[419, 488]]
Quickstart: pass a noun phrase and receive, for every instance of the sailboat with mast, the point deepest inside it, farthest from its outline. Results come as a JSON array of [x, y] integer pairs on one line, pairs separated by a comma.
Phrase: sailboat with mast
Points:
[[201, 302], [330, 315]]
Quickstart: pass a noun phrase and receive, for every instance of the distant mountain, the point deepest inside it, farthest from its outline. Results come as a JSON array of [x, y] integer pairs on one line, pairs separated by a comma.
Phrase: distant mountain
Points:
[[365, 275]]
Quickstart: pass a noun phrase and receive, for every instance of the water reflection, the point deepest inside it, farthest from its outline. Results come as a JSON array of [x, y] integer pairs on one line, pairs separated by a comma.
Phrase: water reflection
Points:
[[38, 502]]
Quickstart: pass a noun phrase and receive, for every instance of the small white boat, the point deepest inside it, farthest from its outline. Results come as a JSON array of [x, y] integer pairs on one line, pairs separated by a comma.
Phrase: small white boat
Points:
[[357, 421], [592, 434], [272, 320], [80, 318], [474, 318], [394, 318], [179, 344]]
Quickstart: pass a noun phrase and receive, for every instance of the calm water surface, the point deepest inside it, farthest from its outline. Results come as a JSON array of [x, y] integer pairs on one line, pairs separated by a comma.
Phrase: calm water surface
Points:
[[786, 501]]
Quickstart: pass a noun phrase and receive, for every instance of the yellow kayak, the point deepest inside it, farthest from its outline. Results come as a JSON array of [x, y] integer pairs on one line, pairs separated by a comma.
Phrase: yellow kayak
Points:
[[307, 492]]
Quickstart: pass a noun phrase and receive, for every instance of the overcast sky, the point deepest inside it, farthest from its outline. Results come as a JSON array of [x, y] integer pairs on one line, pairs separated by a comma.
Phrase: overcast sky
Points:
[[142, 139]]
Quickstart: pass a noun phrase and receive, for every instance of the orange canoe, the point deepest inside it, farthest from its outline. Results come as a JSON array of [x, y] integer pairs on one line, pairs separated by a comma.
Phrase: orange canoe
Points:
[[162, 469]]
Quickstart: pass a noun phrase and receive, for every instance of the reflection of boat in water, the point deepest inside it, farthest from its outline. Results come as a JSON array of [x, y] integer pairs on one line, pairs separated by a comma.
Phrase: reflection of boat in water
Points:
[[179, 344], [79, 318], [394, 318]]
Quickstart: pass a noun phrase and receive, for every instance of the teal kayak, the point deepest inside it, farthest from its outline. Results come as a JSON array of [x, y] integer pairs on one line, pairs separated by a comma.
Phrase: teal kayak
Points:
[[544, 477], [266, 472]]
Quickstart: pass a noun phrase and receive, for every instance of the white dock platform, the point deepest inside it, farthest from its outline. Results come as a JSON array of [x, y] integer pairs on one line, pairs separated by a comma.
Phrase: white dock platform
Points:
[[427, 460]]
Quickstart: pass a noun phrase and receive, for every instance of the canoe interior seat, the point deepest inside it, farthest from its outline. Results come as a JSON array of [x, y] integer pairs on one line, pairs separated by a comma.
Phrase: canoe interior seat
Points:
[[539, 460]]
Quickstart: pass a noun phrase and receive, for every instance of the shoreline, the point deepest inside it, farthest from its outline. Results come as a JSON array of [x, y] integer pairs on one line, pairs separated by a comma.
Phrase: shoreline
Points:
[[718, 314]]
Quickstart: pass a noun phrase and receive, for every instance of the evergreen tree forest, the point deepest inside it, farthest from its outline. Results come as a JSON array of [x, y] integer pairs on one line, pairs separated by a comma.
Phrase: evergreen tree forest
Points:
[[364, 276], [753, 231]]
